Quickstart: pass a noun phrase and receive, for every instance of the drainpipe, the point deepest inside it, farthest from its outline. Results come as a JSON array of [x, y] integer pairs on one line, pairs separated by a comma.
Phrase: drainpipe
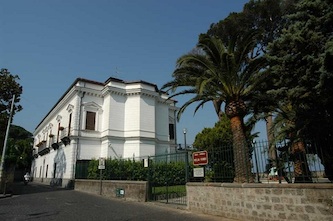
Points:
[[76, 152], [175, 128]]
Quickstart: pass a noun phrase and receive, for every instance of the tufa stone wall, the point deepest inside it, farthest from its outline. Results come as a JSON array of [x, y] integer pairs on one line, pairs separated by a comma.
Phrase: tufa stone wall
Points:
[[128, 190], [262, 201]]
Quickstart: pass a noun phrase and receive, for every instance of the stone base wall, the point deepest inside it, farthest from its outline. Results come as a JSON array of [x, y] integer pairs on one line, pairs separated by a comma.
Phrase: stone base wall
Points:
[[262, 201], [65, 183], [128, 190]]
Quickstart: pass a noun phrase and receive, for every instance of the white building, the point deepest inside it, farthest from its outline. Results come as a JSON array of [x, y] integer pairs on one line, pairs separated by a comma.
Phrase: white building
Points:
[[116, 119]]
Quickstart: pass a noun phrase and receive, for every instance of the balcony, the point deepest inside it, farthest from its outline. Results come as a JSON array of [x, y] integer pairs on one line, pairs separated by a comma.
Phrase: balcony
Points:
[[42, 150], [52, 141], [55, 146], [64, 136]]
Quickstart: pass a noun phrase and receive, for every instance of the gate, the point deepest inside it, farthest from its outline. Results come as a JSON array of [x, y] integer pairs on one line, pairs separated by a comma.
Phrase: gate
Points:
[[167, 177]]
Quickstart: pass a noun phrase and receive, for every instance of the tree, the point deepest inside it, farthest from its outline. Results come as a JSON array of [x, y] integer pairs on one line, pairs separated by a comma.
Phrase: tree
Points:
[[217, 141], [211, 138], [9, 87], [19, 152], [187, 78], [302, 76], [224, 72], [284, 128], [266, 17]]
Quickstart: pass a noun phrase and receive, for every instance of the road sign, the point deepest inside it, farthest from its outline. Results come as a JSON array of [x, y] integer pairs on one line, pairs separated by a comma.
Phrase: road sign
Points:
[[101, 165], [198, 172], [200, 158]]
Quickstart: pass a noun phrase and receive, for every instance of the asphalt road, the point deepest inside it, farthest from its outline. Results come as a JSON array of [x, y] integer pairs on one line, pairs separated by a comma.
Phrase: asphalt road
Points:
[[41, 202]]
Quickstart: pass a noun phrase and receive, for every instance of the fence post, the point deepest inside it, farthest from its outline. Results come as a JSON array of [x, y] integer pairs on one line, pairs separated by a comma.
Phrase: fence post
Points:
[[186, 166], [149, 183], [255, 157]]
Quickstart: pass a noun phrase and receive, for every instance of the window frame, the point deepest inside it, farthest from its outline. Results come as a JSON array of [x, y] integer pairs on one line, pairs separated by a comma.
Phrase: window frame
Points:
[[90, 107]]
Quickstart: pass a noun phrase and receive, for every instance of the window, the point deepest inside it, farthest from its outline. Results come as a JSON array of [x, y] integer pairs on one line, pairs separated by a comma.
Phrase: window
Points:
[[171, 131], [54, 170], [91, 113], [90, 120], [58, 132], [69, 124]]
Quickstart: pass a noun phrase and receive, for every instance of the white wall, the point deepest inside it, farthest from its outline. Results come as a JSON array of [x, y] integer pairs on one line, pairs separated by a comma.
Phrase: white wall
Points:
[[147, 116], [132, 116], [131, 120], [116, 115]]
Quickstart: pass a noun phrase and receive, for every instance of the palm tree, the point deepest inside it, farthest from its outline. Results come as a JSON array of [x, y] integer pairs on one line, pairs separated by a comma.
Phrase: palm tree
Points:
[[223, 73], [284, 127]]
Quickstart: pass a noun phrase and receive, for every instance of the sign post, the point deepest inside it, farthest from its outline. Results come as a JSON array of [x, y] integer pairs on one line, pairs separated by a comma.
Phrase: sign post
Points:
[[101, 166], [200, 158]]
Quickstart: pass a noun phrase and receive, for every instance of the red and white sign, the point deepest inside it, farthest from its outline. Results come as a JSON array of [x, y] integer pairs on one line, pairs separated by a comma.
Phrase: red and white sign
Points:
[[200, 158]]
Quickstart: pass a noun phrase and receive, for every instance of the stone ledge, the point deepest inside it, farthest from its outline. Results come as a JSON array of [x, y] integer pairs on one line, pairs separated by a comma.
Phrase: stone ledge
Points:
[[265, 185], [112, 181]]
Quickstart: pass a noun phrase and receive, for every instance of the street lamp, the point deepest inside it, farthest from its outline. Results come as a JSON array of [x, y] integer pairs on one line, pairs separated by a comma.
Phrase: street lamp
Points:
[[186, 156], [185, 131], [5, 140]]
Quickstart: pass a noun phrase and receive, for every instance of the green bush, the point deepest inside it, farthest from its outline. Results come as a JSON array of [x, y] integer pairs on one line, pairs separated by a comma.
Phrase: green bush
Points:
[[159, 173]]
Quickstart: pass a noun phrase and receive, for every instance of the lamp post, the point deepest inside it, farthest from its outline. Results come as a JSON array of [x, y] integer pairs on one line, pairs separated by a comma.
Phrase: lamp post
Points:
[[186, 156], [185, 131], [5, 141]]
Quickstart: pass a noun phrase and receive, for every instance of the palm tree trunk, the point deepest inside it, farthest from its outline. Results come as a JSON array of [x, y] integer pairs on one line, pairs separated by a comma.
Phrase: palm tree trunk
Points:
[[301, 168], [242, 161], [272, 156]]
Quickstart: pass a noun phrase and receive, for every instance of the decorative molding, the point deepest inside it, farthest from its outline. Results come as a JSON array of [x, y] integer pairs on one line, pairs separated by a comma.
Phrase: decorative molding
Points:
[[92, 94], [141, 92], [58, 118], [70, 108], [113, 90], [92, 106]]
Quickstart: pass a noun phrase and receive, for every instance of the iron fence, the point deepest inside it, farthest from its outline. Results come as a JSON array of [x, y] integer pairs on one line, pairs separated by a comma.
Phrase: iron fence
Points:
[[166, 174], [281, 163], [167, 177]]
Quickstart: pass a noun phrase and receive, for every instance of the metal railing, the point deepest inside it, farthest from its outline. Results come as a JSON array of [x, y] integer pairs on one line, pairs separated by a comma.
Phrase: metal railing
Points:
[[280, 163]]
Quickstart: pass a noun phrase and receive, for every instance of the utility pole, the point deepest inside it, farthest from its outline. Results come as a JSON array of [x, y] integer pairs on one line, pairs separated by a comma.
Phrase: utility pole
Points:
[[6, 137]]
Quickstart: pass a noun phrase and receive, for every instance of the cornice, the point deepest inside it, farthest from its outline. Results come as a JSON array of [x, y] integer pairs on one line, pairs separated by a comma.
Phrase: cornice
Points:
[[113, 90], [94, 94], [129, 92], [55, 110]]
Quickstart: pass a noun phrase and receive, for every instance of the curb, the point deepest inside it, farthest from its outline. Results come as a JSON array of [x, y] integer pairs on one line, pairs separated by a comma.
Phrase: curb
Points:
[[2, 196]]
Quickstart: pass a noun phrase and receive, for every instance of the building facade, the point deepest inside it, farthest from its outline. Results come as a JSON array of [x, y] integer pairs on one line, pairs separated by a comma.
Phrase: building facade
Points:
[[114, 119]]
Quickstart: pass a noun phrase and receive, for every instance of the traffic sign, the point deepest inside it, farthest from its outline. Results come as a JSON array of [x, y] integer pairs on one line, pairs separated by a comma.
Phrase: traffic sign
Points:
[[101, 164], [200, 158]]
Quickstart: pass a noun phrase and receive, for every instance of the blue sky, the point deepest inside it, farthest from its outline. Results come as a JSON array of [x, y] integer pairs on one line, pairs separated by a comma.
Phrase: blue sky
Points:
[[51, 43]]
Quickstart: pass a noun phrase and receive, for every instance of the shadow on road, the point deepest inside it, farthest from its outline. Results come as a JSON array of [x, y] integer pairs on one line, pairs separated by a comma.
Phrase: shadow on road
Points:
[[18, 188]]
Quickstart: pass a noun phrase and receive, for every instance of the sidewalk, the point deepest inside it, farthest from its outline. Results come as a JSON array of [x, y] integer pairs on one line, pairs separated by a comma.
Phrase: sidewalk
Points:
[[17, 188], [8, 191]]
